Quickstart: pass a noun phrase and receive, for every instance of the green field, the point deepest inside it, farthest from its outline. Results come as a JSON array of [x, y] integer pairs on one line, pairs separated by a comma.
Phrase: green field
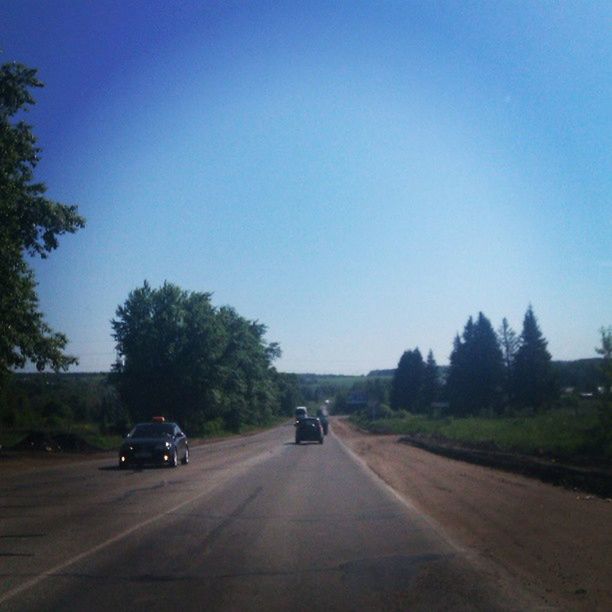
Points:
[[562, 433]]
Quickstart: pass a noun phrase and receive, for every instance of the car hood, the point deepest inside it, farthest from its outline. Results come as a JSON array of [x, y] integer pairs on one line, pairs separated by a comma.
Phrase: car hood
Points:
[[146, 441]]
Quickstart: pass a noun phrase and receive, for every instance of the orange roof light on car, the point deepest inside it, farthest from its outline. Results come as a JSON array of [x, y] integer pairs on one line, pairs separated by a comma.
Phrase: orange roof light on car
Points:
[[158, 419]]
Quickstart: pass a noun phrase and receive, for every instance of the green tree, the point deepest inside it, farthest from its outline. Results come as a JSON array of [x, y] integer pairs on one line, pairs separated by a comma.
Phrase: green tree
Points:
[[407, 385], [605, 406], [289, 393], [509, 343], [168, 344], [247, 384], [30, 224], [431, 382], [476, 373], [179, 356], [533, 382], [458, 380]]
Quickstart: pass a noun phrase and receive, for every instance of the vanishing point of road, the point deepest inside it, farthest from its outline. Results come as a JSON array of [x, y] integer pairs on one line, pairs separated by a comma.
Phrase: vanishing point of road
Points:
[[252, 523]]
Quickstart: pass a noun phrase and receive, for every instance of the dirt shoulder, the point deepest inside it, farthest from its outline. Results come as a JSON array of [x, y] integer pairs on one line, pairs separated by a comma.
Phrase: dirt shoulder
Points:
[[12, 462], [555, 541], [593, 478]]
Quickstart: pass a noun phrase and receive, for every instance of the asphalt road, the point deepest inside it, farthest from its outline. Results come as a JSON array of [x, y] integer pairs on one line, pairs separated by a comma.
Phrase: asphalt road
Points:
[[251, 523]]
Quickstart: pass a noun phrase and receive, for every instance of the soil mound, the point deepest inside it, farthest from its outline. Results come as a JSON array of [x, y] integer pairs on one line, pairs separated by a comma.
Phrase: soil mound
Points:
[[593, 479]]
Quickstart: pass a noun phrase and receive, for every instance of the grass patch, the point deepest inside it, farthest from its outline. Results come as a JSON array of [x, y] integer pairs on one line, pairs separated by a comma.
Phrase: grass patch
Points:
[[9, 438], [104, 442], [558, 433]]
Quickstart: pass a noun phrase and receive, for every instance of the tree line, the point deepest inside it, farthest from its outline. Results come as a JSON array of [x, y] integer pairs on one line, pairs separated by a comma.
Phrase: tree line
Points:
[[181, 357], [177, 354], [489, 372], [55, 401]]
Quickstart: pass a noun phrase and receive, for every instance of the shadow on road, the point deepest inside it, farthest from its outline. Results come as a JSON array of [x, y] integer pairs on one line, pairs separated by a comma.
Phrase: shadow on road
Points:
[[132, 468], [304, 443]]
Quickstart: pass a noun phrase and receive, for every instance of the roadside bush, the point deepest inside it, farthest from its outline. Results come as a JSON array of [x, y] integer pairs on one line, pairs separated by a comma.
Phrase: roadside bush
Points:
[[55, 412], [214, 427], [7, 415], [385, 412]]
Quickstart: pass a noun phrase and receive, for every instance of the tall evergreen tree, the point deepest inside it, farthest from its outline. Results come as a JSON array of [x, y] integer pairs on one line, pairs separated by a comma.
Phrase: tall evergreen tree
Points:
[[476, 369], [533, 382], [407, 385], [509, 343], [490, 367], [431, 384], [457, 383]]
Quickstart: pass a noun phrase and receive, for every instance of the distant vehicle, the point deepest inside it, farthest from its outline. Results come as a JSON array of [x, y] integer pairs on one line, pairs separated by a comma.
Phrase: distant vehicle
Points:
[[308, 428], [301, 412], [157, 443], [322, 416]]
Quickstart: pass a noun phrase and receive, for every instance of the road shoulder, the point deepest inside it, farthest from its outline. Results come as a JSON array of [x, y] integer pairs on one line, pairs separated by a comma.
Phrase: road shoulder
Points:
[[554, 541]]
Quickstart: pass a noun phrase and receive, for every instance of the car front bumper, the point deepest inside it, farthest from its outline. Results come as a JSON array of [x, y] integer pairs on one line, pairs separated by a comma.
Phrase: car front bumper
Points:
[[147, 456]]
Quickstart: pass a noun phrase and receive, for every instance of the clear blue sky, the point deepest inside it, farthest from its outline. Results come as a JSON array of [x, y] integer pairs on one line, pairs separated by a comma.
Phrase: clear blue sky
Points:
[[359, 176]]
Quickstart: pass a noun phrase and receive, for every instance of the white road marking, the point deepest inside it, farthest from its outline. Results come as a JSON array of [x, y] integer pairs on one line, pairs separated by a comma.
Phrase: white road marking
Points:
[[404, 501], [124, 534]]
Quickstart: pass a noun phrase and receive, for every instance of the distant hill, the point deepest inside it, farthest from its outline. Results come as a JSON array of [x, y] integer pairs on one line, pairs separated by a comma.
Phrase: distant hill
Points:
[[318, 387], [381, 373], [389, 373], [311, 377]]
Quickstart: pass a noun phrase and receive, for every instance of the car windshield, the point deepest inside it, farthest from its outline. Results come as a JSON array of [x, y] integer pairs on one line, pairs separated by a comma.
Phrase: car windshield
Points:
[[152, 430]]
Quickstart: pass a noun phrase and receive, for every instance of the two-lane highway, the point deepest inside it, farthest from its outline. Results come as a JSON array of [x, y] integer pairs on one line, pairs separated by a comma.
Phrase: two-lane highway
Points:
[[251, 523]]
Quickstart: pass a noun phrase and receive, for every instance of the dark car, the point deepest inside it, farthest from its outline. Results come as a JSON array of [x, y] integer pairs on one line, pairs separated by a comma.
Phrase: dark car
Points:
[[308, 428], [156, 443]]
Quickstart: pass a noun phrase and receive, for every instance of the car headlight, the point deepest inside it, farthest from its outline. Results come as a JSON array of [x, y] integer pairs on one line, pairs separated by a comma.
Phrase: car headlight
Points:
[[164, 446]]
